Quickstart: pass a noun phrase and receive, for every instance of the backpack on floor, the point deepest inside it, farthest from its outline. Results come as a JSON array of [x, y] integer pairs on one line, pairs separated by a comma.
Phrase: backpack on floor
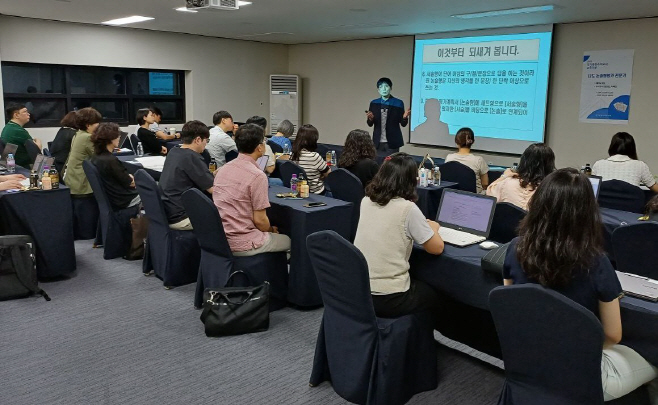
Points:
[[18, 271]]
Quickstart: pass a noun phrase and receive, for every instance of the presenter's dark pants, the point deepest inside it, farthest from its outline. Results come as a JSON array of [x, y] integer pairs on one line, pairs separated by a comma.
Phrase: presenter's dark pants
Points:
[[419, 297], [383, 147]]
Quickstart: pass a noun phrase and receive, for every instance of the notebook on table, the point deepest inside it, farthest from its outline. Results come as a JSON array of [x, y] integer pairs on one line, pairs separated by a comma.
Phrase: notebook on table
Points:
[[596, 184], [638, 286], [465, 217]]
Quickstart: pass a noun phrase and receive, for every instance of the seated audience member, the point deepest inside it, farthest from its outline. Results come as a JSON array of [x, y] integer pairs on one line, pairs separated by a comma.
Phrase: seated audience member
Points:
[[11, 182], [358, 156], [14, 132], [390, 223], [465, 139], [240, 194], [283, 132], [87, 121], [61, 146], [305, 155], [157, 118], [560, 247], [119, 185], [537, 162], [220, 142], [183, 169], [271, 159], [148, 138], [623, 164]]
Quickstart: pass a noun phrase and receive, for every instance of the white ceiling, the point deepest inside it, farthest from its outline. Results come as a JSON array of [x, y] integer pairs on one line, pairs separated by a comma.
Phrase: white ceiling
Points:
[[309, 21]]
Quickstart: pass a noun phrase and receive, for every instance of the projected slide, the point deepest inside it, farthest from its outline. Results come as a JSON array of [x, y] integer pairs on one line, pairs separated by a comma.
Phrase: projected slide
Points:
[[495, 84]]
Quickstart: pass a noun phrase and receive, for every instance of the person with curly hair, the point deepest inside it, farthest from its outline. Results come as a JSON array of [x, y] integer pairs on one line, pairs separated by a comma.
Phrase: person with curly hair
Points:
[[389, 224], [560, 246], [537, 162], [358, 156]]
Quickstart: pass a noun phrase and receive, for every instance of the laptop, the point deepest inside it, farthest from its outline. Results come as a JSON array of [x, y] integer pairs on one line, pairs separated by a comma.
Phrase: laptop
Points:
[[48, 162], [638, 286], [122, 139], [596, 184], [262, 162], [9, 148], [37, 166], [465, 217]]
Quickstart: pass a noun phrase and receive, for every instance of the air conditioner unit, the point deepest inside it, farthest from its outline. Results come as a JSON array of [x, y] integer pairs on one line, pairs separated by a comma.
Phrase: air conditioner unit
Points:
[[285, 101], [212, 4]]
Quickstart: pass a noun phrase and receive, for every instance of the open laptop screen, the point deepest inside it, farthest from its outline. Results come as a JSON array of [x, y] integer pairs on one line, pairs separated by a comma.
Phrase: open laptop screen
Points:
[[262, 162], [596, 184], [466, 211], [9, 148]]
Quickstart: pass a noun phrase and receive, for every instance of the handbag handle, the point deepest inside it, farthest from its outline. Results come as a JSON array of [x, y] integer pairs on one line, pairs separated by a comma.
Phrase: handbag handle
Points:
[[249, 281], [225, 295]]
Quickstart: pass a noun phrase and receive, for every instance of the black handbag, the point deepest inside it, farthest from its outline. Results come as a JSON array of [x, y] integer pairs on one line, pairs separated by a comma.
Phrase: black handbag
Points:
[[236, 310], [494, 259]]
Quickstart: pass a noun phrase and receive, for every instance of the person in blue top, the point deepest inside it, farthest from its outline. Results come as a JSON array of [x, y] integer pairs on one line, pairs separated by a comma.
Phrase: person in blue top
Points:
[[387, 113], [283, 132], [560, 246]]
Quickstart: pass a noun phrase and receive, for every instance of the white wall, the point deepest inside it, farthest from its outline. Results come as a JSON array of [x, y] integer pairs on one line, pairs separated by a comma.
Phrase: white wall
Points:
[[222, 74], [339, 81]]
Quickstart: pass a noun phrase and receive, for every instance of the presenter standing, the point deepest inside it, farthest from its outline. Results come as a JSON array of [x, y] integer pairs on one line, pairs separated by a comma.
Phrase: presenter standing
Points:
[[387, 114]]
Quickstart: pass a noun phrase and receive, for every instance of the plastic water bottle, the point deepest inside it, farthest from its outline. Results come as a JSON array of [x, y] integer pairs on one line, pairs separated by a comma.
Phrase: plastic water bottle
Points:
[[286, 148], [11, 163], [293, 183], [423, 177], [140, 149], [333, 158], [588, 169], [437, 176]]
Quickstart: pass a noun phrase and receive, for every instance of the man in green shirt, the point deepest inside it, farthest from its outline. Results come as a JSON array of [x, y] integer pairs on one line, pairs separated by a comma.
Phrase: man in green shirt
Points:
[[14, 132]]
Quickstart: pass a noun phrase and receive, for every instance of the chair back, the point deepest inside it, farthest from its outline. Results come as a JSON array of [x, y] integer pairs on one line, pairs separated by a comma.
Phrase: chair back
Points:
[[287, 169], [32, 150], [505, 223], [2, 146], [541, 332], [459, 173], [230, 155], [151, 197], [619, 195], [276, 148], [206, 156], [347, 187], [46, 152], [134, 140], [635, 250], [322, 150]]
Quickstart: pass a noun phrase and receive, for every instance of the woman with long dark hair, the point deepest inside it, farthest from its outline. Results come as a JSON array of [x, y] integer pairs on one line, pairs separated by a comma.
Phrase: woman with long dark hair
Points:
[[560, 247], [516, 187], [305, 155], [358, 156], [623, 164], [389, 224]]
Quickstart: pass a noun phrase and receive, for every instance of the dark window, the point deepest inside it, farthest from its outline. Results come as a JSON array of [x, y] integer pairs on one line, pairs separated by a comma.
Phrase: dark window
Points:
[[49, 91]]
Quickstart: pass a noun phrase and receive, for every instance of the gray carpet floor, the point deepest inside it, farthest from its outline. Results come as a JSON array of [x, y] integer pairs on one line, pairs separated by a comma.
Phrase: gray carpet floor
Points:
[[113, 336]]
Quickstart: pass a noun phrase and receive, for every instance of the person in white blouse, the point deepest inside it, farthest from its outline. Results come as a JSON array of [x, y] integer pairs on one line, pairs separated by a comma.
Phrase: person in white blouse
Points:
[[623, 164], [465, 139]]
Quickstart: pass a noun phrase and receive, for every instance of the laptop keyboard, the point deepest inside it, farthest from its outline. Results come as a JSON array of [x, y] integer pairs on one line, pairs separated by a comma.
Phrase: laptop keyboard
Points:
[[459, 238]]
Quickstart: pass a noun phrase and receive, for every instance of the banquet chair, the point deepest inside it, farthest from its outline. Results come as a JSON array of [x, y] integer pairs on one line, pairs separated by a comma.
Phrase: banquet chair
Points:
[[459, 173], [552, 349], [230, 155], [287, 169], [32, 150], [217, 261], [368, 360], [114, 225], [505, 222], [347, 187], [276, 148], [635, 250], [173, 255], [620, 195]]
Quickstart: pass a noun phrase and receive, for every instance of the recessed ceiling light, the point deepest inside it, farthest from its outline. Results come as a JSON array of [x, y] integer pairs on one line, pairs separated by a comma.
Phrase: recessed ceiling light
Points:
[[186, 10], [496, 13], [243, 3], [127, 20]]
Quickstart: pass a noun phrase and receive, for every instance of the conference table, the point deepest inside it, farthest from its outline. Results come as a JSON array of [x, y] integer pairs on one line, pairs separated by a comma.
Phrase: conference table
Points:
[[458, 276], [133, 165], [297, 221], [47, 217], [613, 219]]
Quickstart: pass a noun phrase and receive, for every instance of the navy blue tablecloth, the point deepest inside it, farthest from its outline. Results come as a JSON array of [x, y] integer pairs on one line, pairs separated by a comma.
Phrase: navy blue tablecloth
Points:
[[297, 221], [430, 196], [47, 217], [457, 274], [613, 219]]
